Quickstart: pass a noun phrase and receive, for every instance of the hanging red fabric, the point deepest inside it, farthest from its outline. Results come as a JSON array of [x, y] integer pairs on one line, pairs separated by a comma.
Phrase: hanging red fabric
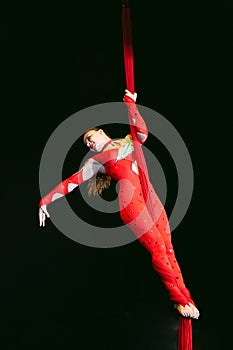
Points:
[[129, 76], [185, 324], [127, 46]]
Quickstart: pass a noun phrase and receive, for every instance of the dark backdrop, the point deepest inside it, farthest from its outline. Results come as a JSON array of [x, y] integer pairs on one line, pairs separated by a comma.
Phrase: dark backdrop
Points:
[[61, 57]]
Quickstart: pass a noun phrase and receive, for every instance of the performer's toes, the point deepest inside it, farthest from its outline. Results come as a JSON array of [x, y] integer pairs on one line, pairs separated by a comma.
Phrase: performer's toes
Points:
[[195, 311], [183, 310], [187, 310]]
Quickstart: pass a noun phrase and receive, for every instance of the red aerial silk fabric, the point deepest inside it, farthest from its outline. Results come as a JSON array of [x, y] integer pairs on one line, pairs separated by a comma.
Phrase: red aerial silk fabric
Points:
[[129, 76], [185, 334], [185, 324]]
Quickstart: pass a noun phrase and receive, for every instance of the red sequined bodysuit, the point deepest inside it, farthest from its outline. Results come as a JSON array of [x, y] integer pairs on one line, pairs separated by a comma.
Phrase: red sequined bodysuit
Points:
[[155, 236]]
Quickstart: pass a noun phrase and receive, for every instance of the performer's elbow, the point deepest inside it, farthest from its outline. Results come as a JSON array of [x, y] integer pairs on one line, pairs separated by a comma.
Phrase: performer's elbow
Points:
[[142, 137]]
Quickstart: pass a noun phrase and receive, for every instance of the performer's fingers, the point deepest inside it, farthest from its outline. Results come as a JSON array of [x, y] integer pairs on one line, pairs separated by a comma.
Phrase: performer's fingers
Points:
[[47, 214], [44, 208], [41, 217]]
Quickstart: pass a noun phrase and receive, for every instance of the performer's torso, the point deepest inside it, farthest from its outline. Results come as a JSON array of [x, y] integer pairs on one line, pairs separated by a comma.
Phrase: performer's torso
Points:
[[125, 171]]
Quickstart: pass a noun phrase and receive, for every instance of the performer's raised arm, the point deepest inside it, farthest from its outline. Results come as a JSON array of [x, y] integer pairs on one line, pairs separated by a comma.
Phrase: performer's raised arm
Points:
[[135, 117], [90, 168]]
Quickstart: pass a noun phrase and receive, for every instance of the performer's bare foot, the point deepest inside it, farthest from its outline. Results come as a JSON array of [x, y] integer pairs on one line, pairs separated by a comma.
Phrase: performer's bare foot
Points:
[[189, 310], [185, 311], [195, 311]]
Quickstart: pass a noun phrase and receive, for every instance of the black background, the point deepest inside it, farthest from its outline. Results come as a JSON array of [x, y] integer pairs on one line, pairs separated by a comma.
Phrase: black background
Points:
[[61, 57]]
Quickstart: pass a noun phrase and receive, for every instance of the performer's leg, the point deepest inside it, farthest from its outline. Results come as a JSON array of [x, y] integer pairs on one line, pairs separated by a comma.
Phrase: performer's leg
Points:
[[154, 243], [137, 218], [149, 236], [162, 224]]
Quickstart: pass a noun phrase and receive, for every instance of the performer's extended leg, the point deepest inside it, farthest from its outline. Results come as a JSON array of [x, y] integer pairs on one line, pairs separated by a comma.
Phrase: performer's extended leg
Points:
[[165, 264], [162, 224], [154, 243], [149, 236]]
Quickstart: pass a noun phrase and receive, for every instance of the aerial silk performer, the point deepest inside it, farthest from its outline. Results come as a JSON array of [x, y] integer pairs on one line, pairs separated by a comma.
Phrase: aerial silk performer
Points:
[[140, 207]]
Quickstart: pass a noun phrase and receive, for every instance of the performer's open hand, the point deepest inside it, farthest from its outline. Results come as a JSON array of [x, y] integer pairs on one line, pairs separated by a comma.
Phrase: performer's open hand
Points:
[[43, 213]]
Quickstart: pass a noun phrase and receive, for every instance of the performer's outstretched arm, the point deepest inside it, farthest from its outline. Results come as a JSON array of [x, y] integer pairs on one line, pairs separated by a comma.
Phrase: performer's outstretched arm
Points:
[[135, 117], [90, 168]]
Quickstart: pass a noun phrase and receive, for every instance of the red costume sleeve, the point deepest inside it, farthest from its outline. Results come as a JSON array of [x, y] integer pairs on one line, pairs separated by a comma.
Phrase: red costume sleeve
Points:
[[91, 167], [136, 120]]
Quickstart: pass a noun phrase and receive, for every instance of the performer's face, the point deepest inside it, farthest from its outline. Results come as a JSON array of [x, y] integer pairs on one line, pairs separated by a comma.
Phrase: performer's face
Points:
[[95, 139]]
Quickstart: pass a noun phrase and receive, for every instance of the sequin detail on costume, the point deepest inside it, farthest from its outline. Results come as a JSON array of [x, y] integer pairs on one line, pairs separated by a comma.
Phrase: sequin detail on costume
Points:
[[125, 149]]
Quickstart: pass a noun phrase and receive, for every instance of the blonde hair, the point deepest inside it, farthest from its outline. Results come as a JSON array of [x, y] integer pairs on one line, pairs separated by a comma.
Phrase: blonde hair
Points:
[[95, 186]]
